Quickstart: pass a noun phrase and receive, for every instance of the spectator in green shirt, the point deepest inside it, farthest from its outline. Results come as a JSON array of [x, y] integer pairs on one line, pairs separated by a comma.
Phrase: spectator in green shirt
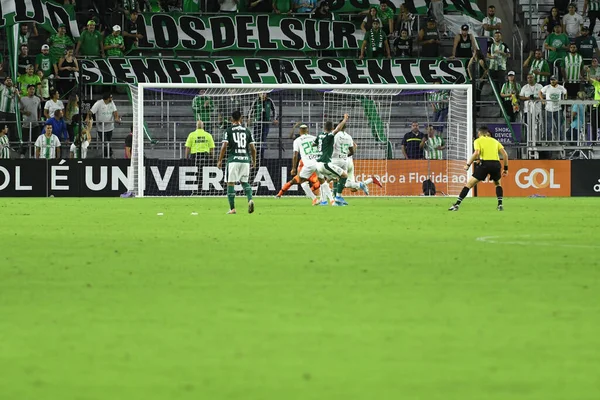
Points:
[[59, 43], [29, 78], [202, 106], [386, 15], [557, 44], [510, 94], [282, 6], [25, 35], [114, 43], [90, 42], [375, 43], [45, 63]]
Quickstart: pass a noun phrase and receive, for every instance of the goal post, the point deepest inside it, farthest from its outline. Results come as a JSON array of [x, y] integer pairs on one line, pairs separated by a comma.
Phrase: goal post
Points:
[[374, 125]]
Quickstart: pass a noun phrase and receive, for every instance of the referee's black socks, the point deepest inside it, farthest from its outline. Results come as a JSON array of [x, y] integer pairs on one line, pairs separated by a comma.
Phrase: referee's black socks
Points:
[[499, 194], [463, 193]]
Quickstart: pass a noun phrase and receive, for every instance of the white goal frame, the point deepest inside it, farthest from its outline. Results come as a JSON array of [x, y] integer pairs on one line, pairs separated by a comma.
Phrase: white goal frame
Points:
[[139, 128]]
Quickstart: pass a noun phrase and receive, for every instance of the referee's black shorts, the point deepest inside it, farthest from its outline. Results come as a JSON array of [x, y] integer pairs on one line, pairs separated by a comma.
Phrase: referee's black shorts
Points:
[[485, 168], [200, 158]]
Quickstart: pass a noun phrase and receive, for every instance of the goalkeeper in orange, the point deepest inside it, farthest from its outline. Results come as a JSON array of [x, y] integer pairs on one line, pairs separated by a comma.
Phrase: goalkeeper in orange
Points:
[[304, 153]]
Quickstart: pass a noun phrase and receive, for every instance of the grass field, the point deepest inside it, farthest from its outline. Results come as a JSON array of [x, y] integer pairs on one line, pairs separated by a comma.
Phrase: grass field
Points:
[[383, 299]]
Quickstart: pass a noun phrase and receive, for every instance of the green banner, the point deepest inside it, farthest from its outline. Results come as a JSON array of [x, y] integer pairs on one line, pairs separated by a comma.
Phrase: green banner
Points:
[[324, 71], [180, 31], [468, 7], [45, 13]]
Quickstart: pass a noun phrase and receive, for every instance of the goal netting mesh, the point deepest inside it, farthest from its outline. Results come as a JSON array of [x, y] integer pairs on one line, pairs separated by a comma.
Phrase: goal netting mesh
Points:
[[388, 148]]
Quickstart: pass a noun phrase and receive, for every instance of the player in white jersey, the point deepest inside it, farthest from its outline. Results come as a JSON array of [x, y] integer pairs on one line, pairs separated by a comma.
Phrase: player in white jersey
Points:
[[313, 180], [343, 150], [305, 150], [343, 147]]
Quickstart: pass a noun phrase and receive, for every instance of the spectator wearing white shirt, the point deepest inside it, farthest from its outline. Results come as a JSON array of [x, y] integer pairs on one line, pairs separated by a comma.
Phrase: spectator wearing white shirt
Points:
[[106, 115], [229, 6], [53, 104], [491, 23], [551, 95], [532, 109], [572, 22]]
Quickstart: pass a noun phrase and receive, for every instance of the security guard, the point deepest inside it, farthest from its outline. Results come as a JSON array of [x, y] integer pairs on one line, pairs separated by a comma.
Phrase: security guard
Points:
[[200, 144]]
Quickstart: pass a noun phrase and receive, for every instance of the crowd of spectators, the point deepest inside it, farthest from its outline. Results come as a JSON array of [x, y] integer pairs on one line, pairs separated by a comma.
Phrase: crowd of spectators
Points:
[[49, 72]]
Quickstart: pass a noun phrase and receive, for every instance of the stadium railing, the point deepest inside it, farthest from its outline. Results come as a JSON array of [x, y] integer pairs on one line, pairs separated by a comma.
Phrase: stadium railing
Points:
[[547, 132]]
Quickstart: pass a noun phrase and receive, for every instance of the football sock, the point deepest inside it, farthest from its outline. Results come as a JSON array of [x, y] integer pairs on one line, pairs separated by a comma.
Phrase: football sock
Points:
[[463, 193], [231, 196], [326, 192], [305, 186], [368, 181], [247, 190], [285, 188], [288, 185], [341, 186], [315, 185], [499, 194], [352, 184]]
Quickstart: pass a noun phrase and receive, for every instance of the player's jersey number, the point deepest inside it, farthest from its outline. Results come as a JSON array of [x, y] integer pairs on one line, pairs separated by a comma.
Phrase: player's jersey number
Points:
[[344, 149], [240, 139], [309, 150]]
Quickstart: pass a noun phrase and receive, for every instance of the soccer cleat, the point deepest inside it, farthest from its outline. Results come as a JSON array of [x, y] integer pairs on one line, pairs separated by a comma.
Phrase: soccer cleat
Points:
[[364, 188], [277, 196], [315, 202], [337, 204], [324, 203], [232, 211], [250, 207], [340, 199], [376, 181], [500, 207], [453, 208]]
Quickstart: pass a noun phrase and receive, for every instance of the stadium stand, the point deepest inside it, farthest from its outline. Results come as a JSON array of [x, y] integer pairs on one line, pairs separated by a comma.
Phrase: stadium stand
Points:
[[522, 28]]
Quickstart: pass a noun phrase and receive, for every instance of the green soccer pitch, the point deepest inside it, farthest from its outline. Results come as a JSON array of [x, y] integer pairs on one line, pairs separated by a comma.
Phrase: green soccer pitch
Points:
[[383, 299]]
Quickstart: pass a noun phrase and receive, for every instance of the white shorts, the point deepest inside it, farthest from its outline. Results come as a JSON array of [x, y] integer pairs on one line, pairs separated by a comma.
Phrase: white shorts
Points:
[[329, 170], [350, 169], [238, 172], [307, 170]]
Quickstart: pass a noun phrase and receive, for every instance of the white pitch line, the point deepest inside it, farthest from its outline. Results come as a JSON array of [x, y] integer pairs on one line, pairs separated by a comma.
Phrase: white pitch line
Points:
[[495, 240]]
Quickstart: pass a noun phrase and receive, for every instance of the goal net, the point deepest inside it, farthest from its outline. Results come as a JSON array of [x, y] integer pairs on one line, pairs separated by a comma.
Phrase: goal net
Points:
[[389, 149]]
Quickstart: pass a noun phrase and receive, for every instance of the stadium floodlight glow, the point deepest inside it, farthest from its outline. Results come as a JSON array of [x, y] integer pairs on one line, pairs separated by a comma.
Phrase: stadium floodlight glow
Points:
[[371, 107]]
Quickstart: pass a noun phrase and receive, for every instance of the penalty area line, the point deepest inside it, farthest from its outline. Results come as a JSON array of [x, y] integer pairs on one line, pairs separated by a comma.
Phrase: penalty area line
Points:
[[512, 240]]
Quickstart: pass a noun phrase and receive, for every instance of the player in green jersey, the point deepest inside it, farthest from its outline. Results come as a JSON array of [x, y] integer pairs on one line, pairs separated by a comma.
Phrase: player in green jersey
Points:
[[325, 168], [239, 146]]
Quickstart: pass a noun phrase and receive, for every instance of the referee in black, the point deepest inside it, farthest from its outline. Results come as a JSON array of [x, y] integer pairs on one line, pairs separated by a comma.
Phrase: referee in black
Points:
[[487, 162]]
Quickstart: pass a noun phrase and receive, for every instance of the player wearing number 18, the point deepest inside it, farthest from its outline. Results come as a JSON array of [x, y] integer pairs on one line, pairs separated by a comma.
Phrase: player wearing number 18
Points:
[[487, 162], [239, 146]]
